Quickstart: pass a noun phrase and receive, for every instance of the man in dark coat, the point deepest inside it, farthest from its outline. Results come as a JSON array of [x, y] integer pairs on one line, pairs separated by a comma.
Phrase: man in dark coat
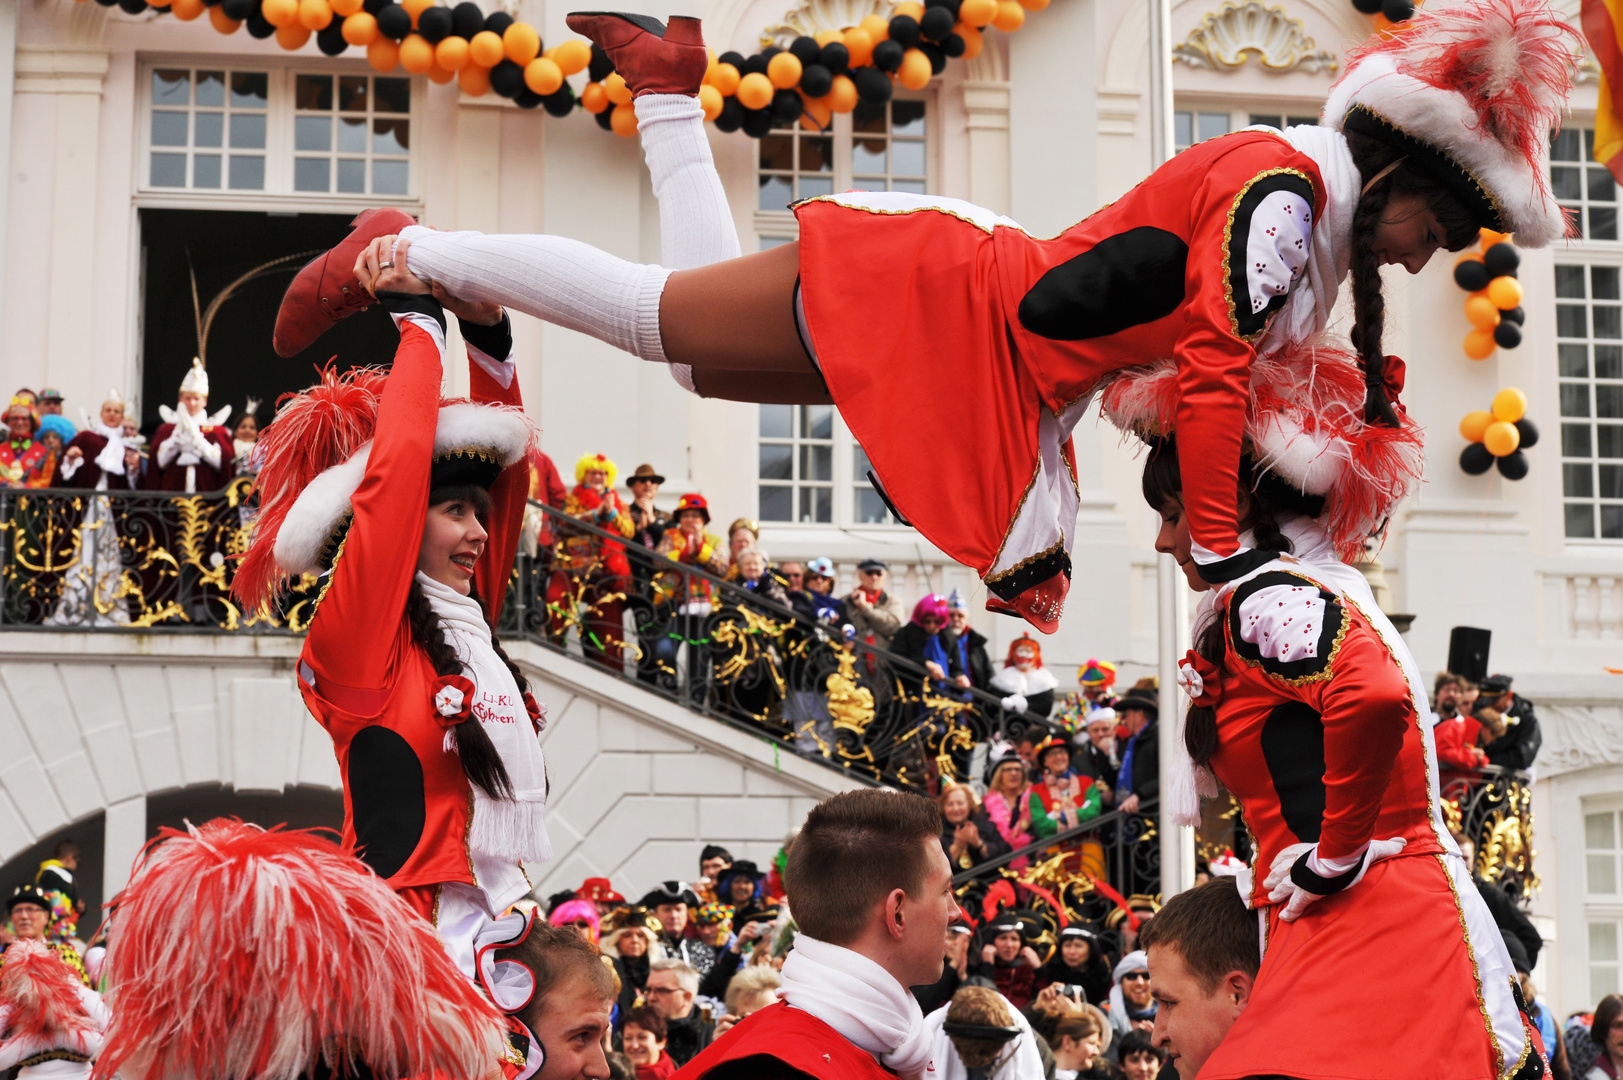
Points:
[[1510, 733], [1138, 782], [969, 642]]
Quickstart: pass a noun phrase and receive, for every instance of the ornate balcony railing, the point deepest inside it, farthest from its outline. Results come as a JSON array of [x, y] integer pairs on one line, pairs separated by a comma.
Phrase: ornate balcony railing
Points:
[[1493, 809], [160, 562]]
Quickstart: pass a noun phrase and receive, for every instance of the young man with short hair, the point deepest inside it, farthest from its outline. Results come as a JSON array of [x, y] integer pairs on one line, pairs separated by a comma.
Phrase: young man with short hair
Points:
[[1203, 956], [871, 890]]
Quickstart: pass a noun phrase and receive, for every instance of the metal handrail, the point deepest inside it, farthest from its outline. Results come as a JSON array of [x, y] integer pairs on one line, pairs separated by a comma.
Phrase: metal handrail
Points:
[[1059, 839]]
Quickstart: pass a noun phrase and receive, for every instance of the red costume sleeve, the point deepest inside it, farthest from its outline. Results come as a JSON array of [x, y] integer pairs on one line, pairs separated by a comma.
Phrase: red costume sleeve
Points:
[[511, 491], [1452, 751], [553, 484], [356, 628]]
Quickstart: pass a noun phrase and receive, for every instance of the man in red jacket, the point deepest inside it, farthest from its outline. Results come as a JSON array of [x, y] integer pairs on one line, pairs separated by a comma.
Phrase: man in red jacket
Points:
[[871, 890]]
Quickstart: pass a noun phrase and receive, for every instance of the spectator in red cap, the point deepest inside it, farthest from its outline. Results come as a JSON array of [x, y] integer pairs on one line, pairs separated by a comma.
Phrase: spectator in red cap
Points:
[[600, 892], [692, 546]]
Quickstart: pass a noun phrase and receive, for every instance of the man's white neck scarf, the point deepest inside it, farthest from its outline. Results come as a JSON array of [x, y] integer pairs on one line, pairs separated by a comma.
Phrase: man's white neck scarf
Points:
[[1307, 308], [862, 1001], [111, 458], [512, 829]]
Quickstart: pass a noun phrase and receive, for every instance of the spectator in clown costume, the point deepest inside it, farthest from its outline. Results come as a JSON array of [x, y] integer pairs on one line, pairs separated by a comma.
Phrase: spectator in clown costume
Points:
[[1096, 678], [591, 571], [20, 456], [687, 542], [1008, 803], [55, 432], [1063, 799], [1024, 684]]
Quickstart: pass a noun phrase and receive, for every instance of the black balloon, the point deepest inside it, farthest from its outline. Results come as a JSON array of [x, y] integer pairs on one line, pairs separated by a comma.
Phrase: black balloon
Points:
[[1475, 459], [731, 117], [1513, 466], [605, 119], [372, 7], [836, 57], [733, 57], [937, 56], [561, 102], [1515, 315], [436, 24], [769, 52], [806, 49], [107, 3], [600, 66], [1472, 276], [818, 80], [757, 122], [904, 30], [497, 22], [259, 26], [1367, 7], [1501, 259], [1529, 432], [394, 21], [237, 9], [525, 98], [507, 79], [331, 39], [467, 19], [887, 56], [787, 106], [954, 46], [755, 64], [132, 7], [1507, 335], [937, 22], [873, 85], [1398, 10]]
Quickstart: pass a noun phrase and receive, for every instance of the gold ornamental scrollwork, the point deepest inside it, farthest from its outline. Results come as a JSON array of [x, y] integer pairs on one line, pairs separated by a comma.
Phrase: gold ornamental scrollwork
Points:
[[1225, 38]]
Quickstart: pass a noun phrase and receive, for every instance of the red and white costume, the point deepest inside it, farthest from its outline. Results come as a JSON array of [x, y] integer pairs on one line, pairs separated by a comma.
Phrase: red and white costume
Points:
[[51, 1024], [192, 451]]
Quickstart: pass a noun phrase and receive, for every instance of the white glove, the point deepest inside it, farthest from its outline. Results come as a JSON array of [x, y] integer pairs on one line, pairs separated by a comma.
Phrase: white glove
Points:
[[1014, 703], [1284, 888]]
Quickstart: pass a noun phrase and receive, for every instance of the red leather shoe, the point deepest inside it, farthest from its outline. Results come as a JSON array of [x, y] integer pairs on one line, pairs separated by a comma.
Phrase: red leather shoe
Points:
[[652, 57], [325, 292], [1039, 605]]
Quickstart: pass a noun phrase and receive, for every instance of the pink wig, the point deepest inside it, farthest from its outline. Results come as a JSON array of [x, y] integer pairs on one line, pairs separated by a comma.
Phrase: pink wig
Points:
[[570, 910], [935, 604]]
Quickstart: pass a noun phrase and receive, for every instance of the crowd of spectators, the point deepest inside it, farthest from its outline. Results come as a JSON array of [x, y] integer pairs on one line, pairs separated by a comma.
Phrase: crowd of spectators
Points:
[[1483, 723]]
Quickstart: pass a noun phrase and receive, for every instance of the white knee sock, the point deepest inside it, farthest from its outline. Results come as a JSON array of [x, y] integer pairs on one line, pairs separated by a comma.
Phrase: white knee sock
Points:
[[695, 223], [562, 281]]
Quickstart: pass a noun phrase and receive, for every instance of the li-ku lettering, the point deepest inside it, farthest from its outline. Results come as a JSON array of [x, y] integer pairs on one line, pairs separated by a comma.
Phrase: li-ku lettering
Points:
[[495, 707]]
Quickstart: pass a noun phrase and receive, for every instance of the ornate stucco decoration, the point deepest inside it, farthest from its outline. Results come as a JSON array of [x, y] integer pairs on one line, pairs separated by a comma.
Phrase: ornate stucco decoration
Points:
[[812, 17], [1223, 40], [1588, 70]]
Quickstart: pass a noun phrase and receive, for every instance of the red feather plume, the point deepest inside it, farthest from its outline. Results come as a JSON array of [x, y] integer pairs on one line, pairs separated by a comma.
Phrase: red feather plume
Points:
[[44, 994], [242, 953]]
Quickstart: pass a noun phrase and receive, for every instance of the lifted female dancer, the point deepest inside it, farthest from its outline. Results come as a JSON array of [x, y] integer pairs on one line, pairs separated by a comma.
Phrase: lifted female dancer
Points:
[[1234, 248]]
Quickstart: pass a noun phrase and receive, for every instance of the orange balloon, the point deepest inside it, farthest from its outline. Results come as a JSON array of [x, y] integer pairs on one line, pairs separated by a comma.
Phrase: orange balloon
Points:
[[755, 91], [573, 56], [160, 3], [383, 54], [437, 74], [619, 93], [359, 29], [1505, 292], [474, 80], [1473, 424], [522, 43], [915, 70], [279, 12], [1501, 438], [314, 14], [345, 8], [624, 121], [1479, 344], [783, 71], [292, 36], [1509, 405], [187, 10], [860, 45], [828, 37], [973, 42], [543, 76], [415, 8], [908, 7], [843, 97], [451, 54], [878, 27], [416, 54], [223, 23], [593, 99], [486, 48], [710, 101], [816, 116], [1481, 313], [1034, 5], [1490, 238], [978, 12], [1010, 16], [725, 78]]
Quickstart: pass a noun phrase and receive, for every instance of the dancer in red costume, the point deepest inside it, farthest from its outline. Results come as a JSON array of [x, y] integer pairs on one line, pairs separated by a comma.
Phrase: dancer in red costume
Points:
[[434, 727], [1232, 250]]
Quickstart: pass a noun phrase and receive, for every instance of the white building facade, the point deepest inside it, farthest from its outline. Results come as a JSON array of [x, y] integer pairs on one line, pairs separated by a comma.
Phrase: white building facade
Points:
[[129, 139]]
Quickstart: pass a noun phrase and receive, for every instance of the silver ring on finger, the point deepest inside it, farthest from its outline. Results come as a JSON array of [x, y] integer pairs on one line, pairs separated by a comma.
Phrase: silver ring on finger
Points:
[[386, 266]]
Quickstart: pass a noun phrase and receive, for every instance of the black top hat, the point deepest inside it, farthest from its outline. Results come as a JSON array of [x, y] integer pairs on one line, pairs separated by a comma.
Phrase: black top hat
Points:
[[669, 892], [741, 868], [1140, 698], [28, 894]]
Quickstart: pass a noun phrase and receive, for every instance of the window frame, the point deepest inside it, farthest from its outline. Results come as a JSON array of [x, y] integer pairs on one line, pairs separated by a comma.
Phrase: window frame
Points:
[[1603, 907], [843, 512], [1240, 113], [278, 193]]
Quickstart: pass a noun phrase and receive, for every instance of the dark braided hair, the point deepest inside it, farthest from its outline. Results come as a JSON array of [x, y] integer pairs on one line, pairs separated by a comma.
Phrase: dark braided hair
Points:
[[480, 761], [1369, 305]]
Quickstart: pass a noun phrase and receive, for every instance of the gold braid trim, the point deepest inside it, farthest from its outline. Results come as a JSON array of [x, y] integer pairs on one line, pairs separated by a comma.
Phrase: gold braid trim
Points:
[[1330, 658], [1476, 976], [1036, 472], [1228, 239]]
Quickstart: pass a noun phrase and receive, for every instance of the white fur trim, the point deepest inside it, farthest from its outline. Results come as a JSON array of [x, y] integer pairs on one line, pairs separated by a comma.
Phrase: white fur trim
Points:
[[488, 427], [1446, 120]]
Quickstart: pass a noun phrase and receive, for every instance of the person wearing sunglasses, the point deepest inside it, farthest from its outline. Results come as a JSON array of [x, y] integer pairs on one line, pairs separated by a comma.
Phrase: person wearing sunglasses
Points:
[[1132, 1005]]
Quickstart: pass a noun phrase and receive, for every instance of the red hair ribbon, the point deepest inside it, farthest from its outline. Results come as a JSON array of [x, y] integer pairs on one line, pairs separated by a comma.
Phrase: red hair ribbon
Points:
[[453, 699], [537, 711], [1201, 679]]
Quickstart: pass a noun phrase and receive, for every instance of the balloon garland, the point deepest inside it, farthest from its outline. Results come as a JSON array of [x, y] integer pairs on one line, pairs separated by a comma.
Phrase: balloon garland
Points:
[[1494, 307], [1498, 436], [810, 81]]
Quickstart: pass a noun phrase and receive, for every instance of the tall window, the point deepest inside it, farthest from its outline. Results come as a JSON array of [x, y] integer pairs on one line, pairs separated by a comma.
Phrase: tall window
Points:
[[1589, 345], [1196, 125], [802, 449], [1583, 185], [1603, 899], [276, 131]]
